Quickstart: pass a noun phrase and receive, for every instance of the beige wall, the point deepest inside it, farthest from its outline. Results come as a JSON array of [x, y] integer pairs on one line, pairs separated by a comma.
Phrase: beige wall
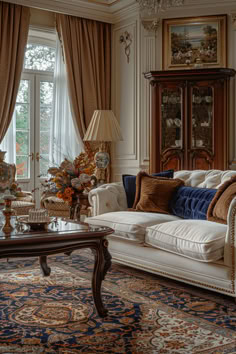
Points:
[[131, 92]]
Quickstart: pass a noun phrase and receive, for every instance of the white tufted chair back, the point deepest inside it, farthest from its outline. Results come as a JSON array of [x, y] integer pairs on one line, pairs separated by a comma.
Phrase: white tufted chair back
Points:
[[204, 178]]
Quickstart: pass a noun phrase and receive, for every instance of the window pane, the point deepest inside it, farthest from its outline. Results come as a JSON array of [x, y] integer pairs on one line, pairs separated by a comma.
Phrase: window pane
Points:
[[45, 118], [22, 166], [23, 92], [22, 110], [39, 57], [46, 102], [44, 142], [44, 165], [46, 93], [22, 116], [22, 143]]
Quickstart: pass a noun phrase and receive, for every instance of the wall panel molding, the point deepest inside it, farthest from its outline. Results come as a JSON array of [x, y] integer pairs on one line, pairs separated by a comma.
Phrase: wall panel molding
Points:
[[124, 92], [148, 43]]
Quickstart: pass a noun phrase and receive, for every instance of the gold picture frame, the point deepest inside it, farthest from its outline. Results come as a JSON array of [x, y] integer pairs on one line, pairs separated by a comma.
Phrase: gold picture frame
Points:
[[194, 42]]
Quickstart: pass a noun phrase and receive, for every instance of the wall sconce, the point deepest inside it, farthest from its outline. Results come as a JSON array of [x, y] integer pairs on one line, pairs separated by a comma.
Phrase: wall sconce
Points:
[[126, 39]]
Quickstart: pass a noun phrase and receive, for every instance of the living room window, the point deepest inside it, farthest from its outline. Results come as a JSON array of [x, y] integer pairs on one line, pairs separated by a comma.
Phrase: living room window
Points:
[[41, 133], [27, 141], [33, 111]]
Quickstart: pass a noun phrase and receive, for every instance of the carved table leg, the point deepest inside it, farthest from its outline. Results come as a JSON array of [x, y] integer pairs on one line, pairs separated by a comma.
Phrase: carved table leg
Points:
[[101, 266], [46, 270]]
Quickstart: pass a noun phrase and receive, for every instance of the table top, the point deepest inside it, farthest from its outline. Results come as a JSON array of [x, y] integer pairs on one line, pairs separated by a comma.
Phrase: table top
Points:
[[56, 230]]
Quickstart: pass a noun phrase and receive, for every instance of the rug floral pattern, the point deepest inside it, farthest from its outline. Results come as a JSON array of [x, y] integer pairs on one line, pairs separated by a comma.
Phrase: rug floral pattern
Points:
[[147, 313]]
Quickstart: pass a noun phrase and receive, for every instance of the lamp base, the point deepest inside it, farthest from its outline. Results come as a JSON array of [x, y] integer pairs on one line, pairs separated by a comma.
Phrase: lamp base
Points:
[[102, 159]]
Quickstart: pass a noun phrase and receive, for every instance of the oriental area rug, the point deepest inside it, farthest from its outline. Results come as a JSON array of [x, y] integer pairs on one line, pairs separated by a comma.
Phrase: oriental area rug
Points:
[[147, 313]]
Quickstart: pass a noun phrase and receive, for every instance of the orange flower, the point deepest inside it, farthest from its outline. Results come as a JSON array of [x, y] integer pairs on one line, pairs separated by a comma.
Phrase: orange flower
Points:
[[67, 198], [69, 191], [65, 173], [59, 195], [87, 170]]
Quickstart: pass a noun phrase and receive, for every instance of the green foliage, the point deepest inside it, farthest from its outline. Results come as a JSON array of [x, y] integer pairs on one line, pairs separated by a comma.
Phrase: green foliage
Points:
[[22, 143], [39, 57], [44, 142], [22, 117], [210, 37], [22, 166]]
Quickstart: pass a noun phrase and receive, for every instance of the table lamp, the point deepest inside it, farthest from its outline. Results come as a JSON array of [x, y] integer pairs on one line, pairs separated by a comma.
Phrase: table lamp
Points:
[[103, 128]]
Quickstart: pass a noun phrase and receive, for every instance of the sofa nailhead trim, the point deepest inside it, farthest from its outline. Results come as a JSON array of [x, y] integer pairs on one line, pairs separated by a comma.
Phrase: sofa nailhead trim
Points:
[[233, 250], [182, 278]]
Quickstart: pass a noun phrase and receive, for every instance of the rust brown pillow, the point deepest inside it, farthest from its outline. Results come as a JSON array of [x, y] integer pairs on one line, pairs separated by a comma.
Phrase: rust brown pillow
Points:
[[219, 206], [153, 194]]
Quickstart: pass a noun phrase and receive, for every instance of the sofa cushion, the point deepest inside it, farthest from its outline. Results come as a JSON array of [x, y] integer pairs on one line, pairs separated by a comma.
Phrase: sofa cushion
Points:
[[191, 203], [129, 183], [130, 225], [153, 194], [197, 239], [218, 208]]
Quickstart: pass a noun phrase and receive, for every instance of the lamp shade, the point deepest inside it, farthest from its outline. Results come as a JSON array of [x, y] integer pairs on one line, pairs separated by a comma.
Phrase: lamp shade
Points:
[[103, 127]]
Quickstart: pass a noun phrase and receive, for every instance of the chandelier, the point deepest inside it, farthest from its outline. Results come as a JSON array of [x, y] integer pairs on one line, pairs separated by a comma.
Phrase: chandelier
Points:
[[150, 9]]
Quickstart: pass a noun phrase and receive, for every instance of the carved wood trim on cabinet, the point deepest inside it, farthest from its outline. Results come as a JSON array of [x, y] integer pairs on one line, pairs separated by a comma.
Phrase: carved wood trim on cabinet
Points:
[[189, 120]]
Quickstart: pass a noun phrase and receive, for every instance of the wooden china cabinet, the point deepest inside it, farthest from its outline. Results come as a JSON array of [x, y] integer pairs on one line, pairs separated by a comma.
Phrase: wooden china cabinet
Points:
[[189, 119]]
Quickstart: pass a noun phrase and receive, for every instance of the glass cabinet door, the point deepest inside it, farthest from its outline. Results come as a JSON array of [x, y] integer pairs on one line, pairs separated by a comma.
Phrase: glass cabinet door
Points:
[[172, 118], [202, 117]]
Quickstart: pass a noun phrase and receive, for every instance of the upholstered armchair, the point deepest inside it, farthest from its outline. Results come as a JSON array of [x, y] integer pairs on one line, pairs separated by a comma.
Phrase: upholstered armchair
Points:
[[23, 203], [58, 208], [24, 200]]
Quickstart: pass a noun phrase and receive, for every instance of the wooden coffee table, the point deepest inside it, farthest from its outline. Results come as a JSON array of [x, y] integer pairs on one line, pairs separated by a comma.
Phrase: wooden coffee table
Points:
[[61, 237]]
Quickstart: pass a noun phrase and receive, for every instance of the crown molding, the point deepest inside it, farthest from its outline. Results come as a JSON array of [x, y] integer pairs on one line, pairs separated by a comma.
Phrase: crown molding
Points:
[[113, 11], [88, 9], [210, 3], [100, 10], [131, 9]]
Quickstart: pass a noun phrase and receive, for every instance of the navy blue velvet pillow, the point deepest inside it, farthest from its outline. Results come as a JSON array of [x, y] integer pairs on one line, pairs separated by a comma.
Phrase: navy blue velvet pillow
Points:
[[129, 183], [191, 202]]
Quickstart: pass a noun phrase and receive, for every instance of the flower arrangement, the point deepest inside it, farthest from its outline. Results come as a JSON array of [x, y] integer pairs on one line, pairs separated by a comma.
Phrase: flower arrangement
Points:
[[71, 179]]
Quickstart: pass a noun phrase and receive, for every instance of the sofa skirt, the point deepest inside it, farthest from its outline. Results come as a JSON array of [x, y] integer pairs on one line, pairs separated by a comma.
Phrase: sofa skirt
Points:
[[213, 276]]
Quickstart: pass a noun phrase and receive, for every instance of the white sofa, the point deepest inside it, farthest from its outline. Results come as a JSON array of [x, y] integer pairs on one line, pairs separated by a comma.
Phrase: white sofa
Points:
[[140, 238]]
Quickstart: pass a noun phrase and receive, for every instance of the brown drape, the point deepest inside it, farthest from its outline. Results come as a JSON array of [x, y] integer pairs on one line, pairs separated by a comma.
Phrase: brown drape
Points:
[[87, 51], [14, 26]]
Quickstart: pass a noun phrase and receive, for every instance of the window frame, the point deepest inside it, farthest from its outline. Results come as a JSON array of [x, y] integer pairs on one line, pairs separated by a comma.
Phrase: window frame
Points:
[[36, 36]]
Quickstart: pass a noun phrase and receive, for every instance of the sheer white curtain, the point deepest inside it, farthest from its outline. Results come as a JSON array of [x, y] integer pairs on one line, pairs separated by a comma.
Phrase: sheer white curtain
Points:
[[64, 141], [9, 141]]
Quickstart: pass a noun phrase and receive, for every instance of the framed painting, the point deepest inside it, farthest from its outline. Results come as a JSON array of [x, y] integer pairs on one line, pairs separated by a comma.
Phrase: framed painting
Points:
[[194, 42]]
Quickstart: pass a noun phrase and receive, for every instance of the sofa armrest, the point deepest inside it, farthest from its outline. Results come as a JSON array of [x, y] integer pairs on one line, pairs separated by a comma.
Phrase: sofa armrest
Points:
[[230, 241], [108, 197]]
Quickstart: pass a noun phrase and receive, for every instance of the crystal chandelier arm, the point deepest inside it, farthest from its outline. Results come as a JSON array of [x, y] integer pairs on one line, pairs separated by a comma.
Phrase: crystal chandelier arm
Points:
[[153, 7]]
